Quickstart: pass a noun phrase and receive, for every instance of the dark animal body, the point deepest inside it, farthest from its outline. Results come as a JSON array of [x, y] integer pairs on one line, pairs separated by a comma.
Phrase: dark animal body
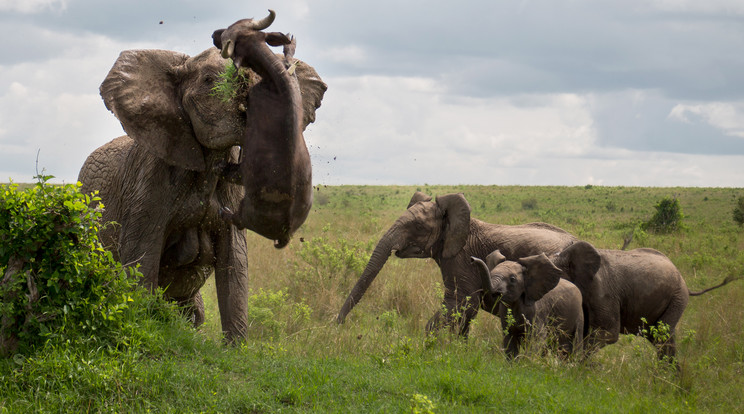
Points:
[[276, 171]]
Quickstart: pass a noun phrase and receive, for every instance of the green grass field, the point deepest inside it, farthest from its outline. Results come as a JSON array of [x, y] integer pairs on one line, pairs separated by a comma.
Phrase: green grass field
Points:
[[297, 359]]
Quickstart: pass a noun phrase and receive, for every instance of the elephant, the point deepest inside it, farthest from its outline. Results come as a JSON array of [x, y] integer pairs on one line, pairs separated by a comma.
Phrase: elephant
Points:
[[163, 184], [627, 291], [444, 230], [277, 200], [533, 289]]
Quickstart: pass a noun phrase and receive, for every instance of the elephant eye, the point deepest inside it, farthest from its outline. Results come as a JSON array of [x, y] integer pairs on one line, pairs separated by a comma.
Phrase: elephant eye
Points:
[[512, 278]]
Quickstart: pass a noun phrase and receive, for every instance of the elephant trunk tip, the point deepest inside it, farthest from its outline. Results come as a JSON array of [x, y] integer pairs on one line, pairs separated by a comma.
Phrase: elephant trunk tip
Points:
[[281, 243]]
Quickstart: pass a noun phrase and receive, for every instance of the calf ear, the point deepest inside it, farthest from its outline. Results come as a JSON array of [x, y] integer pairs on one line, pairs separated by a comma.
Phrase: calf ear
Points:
[[217, 38], [417, 197], [277, 39], [312, 89], [540, 277], [457, 222], [493, 259], [580, 262]]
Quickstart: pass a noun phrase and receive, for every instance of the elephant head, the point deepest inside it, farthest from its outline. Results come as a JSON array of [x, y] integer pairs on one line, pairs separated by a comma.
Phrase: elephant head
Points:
[[164, 102], [526, 280], [580, 263], [276, 171], [436, 229]]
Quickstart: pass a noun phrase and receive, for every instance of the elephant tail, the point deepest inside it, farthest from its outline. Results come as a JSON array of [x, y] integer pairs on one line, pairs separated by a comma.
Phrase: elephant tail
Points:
[[725, 281]]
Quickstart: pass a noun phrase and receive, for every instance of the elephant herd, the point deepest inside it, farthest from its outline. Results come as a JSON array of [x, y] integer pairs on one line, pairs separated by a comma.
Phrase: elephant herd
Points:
[[536, 274], [194, 170]]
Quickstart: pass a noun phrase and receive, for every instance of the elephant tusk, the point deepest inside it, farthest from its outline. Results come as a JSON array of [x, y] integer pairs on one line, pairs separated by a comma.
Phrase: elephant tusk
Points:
[[292, 67]]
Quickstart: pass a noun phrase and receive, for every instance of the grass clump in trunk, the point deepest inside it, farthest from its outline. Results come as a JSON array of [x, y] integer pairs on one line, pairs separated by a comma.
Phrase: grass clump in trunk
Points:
[[233, 83]]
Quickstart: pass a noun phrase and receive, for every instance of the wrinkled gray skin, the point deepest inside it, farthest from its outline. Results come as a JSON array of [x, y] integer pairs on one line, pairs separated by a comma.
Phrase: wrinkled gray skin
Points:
[[162, 184], [532, 288], [621, 287], [443, 230], [276, 172]]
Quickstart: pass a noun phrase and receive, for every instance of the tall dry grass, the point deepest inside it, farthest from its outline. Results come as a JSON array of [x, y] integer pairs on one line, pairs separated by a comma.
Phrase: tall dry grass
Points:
[[406, 293]]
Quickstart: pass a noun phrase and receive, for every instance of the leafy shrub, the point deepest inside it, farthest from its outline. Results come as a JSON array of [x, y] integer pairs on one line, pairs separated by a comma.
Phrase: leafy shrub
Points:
[[320, 198], [739, 211], [57, 280], [325, 271], [271, 314], [331, 260], [668, 216], [529, 203]]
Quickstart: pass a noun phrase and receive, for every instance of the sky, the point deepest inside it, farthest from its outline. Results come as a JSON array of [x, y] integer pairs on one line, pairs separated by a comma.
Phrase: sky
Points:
[[490, 92]]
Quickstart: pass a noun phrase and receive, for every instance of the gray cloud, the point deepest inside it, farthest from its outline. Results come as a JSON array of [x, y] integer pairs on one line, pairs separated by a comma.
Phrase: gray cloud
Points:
[[521, 92]]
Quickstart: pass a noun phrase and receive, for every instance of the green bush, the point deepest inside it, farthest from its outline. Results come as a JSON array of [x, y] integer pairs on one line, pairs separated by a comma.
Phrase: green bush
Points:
[[232, 83], [529, 203], [739, 211], [668, 216], [271, 314], [57, 280]]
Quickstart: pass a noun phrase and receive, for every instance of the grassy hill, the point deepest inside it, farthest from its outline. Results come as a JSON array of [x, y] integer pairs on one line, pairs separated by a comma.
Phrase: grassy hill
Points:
[[298, 360]]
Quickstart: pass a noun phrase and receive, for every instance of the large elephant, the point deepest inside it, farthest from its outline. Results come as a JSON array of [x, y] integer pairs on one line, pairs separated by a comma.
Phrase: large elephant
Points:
[[627, 292], [443, 230], [163, 183], [537, 296]]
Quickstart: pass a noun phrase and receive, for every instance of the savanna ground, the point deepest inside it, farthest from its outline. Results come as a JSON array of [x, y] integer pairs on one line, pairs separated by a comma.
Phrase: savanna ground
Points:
[[297, 359]]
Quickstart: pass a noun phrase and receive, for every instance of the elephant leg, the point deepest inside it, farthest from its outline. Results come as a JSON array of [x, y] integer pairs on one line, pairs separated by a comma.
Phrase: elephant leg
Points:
[[436, 322], [457, 312], [193, 309], [231, 281], [512, 344], [665, 344], [138, 246], [667, 349]]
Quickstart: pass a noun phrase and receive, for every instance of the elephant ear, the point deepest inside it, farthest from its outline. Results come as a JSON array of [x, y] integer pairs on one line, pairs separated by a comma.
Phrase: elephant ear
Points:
[[457, 222], [493, 259], [312, 89], [418, 196], [540, 277], [141, 90], [580, 262]]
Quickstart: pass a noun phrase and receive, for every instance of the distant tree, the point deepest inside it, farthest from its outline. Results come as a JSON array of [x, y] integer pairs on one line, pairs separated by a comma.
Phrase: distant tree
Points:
[[529, 203], [668, 216], [739, 211]]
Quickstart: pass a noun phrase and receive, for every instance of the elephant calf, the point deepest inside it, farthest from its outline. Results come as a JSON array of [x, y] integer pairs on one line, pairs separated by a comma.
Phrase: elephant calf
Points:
[[538, 298], [627, 291]]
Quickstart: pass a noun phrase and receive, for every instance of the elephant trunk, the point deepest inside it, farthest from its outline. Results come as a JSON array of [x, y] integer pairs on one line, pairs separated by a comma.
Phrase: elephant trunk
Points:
[[484, 273], [388, 242]]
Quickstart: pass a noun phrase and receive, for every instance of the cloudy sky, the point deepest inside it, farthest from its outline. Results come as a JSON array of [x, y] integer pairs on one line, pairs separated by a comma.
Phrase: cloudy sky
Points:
[[547, 92]]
